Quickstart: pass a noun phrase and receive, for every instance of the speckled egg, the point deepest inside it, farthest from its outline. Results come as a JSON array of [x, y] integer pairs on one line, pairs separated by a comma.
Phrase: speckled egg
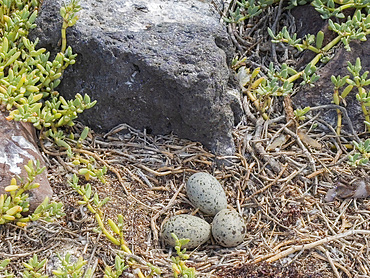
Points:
[[206, 193], [186, 226], [228, 228]]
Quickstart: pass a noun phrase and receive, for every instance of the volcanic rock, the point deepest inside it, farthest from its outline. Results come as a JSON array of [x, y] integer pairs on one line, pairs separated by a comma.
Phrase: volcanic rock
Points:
[[308, 21], [159, 65]]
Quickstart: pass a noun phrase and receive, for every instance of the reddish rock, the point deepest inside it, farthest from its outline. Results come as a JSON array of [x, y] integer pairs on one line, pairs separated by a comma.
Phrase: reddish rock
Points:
[[17, 147]]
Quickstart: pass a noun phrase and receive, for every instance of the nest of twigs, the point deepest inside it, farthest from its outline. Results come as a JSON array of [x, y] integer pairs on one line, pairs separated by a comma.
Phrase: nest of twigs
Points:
[[291, 230]]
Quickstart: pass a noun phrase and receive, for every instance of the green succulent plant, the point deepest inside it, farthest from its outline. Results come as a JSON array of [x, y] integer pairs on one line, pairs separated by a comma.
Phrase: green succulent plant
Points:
[[15, 202], [279, 80], [28, 77], [179, 267], [70, 268], [34, 268], [113, 231]]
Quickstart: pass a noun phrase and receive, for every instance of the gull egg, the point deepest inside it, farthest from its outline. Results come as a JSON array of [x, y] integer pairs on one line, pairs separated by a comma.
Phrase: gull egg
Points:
[[206, 193], [228, 228], [197, 230]]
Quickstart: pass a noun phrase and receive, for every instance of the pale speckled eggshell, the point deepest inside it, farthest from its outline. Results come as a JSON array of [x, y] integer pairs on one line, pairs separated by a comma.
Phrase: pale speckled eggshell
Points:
[[228, 228], [186, 226], [206, 193]]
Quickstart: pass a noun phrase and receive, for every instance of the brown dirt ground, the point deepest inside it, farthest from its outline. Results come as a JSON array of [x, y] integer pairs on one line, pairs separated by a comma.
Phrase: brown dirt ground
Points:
[[292, 231], [281, 211]]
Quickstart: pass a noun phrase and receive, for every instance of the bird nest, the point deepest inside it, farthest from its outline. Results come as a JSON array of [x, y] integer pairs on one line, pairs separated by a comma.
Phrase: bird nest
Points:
[[280, 180], [291, 230]]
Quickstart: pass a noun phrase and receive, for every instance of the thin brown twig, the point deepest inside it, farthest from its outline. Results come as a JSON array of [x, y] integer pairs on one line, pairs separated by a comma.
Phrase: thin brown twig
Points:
[[345, 270], [275, 165], [333, 265], [308, 246], [268, 185], [166, 208]]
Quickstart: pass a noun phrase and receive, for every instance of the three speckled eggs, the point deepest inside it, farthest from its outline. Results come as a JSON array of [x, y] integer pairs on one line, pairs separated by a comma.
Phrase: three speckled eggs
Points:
[[206, 193]]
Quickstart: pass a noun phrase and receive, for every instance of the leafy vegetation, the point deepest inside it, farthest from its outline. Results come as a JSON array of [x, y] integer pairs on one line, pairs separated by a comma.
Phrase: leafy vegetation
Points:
[[279, 80], [113, 231], [179, 267], [13, 204], [28, 78]]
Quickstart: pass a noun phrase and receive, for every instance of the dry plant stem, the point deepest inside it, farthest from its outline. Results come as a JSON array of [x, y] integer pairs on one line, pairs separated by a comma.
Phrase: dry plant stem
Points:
[[309, 246], [307, 154], [289, 111], [337, 138], [273, 28], [272, 217], [115, 172], [279, 131], [310, 121], [155, 217], [268, 185], [232, 36], [258, 24], [117, 129], [93, 252], [5, 255], [161, 174], [93, 268], [316, 173], [284, 243], [345, 114], [294, 174], [345, 270], [335, 270], [275, 165], [248, 112], [329, 259]]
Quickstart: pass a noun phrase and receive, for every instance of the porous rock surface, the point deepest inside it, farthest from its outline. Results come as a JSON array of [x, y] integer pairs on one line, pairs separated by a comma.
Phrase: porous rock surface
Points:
[[17, 147], [159, 65], [322, 92]]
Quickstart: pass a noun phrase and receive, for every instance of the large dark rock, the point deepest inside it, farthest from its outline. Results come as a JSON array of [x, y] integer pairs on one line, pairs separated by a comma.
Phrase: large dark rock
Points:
[[159, 65], [322, 92], [309, 22], [17, 147]]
